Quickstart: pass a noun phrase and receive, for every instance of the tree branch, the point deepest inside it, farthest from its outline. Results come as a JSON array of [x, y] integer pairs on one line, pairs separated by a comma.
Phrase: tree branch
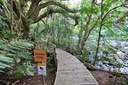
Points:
[[15, 9], [33, 7], [105, 16], [34, 13], [40, 17], [51, 11], [121, 19], [57, 4], [85, 32]]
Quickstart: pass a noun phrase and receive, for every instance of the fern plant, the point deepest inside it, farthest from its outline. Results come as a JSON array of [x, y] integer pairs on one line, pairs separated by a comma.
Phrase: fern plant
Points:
[[16, 55], [4, 23]]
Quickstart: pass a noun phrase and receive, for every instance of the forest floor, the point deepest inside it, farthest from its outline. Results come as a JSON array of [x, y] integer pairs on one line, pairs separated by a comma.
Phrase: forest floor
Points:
[[30, 80], [104, 78], [37, 80]]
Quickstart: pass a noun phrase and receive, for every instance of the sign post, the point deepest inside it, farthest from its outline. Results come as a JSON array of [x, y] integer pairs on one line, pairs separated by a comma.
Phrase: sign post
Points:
[[40, 56]]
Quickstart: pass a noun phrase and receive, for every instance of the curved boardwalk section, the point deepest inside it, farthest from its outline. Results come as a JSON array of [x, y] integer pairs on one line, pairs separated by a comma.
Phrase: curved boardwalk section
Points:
[[70, 71]]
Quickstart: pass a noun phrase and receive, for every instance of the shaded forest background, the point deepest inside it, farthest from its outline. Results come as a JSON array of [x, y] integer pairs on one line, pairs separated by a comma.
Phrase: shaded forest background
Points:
[[96, 31]]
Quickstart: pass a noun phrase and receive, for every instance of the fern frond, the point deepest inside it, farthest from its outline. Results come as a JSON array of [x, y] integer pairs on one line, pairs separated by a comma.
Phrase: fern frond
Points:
[[10, 55], [2, 52], [5, 59], [1, 71], [25, 55], [22, 44], [3, 65], [3, 43], [13, 54], [15, 48]]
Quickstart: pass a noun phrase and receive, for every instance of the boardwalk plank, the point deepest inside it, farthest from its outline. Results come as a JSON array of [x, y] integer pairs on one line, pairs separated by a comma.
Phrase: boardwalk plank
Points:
[[70, 71]]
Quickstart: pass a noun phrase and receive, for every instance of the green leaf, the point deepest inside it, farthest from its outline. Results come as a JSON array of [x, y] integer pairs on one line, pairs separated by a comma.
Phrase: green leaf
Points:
[[112, 33], [104, 59], [25, 55], [5, 59], [1, 71], [3, 65]]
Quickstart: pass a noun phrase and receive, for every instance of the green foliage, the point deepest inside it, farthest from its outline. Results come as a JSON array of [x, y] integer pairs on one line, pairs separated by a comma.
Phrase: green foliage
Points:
[[16, 55], [25, 69], [105, 59], [60, 30], [37, 30], [4, 23]]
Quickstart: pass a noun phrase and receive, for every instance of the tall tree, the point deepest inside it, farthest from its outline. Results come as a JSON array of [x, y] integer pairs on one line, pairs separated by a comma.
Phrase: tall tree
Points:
[[23, 13], [92, 12]]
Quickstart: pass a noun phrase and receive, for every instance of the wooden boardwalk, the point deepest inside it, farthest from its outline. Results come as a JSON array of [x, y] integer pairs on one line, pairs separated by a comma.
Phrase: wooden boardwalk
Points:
[[70, 71]]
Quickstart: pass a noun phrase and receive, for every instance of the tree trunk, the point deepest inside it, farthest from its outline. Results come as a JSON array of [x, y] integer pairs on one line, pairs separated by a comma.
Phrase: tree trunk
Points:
[[26, 27], [26, 31], [85, 32]]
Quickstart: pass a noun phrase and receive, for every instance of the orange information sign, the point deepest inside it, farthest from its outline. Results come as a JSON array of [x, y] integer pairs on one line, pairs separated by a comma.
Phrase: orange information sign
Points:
[[40, 55]]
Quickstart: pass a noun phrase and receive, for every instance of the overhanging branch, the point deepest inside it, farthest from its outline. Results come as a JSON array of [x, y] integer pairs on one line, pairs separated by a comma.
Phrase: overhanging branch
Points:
[[51, 11], [40, 17], [112, 10], [57, 4], [33, 7]]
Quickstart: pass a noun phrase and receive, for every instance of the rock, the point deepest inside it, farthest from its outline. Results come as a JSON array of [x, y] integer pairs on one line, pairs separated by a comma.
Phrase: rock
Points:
[[124, 70], [110, 64], [105, 62], [121, 54], [119, 60], [99, 63], [116, 56]]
